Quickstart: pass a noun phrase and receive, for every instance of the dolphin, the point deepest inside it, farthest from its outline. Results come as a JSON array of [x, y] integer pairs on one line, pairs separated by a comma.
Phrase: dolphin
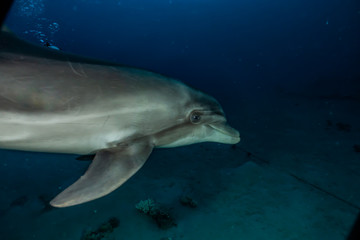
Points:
[[51, 101]]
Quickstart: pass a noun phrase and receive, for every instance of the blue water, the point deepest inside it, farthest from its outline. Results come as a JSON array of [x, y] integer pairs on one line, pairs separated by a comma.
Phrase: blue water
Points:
[[286, 72], [299, 44]]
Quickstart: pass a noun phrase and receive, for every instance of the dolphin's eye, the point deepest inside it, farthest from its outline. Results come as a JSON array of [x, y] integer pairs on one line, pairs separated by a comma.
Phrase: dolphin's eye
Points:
[[195, 117]]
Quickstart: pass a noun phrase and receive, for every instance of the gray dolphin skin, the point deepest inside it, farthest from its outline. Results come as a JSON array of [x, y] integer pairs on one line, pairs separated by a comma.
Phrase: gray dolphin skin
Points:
[[56, 102]]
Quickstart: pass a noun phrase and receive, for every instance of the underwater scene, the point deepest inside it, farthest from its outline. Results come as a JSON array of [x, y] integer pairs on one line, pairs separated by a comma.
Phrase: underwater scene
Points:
[[180, 120]]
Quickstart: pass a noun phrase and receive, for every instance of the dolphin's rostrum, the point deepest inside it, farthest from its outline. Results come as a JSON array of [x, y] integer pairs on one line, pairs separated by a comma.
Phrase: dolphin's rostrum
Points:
[[56, 102]]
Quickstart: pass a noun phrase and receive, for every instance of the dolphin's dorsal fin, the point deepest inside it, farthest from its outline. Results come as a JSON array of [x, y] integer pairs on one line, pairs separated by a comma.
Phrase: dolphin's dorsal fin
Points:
[[108, 171]]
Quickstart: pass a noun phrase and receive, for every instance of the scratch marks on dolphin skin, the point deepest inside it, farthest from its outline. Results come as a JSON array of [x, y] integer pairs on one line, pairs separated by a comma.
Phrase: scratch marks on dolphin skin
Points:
[[81, 73], [107, 118], [8, 98]]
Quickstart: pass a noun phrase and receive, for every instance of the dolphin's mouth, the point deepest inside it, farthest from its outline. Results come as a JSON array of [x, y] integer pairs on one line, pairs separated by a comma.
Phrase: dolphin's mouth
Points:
[[229, 134]]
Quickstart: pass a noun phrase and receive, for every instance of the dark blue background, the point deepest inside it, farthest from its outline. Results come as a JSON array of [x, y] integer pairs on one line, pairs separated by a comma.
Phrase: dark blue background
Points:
[[224, 47]]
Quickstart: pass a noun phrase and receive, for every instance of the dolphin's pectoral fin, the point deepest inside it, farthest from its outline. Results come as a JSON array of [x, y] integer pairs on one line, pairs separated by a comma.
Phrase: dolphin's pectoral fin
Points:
[[108, 171]]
